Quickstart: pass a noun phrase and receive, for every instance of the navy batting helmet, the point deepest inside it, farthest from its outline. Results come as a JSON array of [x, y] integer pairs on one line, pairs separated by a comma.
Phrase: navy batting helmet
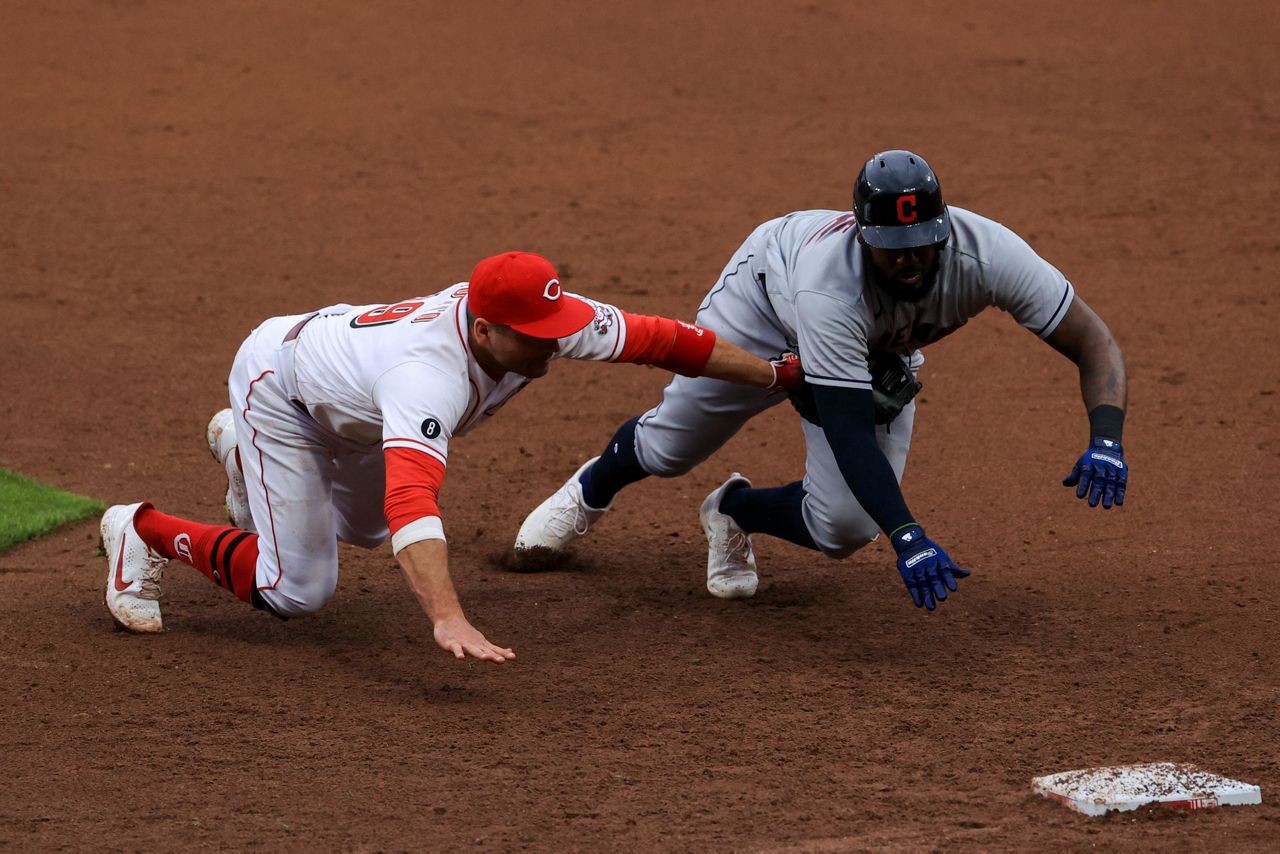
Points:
[[898, 202]]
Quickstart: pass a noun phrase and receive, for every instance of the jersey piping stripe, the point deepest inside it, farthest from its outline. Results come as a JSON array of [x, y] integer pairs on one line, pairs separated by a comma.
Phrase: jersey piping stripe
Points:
[[622, 334], [829, 379], [850, 384], [765, 314], [492, 410], [723, 283], [457, 326], [430, 451], [474, 408], [262, 469], [1050, 322]]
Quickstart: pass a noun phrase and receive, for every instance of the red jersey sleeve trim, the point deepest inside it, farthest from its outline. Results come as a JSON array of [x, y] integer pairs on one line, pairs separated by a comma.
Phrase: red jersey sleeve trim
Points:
[[672, 345], [422, 446]]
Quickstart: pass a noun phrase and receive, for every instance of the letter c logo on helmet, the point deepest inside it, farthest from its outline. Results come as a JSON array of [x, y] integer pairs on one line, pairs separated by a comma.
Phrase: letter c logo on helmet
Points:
[[907, 209], [552, 291], [898, 202]]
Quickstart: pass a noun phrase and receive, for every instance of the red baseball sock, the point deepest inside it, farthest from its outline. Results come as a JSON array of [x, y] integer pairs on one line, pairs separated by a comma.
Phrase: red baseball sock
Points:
[[226, 556]]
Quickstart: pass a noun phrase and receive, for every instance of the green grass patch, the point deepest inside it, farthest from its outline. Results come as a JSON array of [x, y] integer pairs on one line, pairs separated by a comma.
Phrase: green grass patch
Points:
[[29, 509]]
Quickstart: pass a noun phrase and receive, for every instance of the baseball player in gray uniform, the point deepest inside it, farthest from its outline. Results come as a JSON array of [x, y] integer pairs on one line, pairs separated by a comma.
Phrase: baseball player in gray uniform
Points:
[[856, 294]]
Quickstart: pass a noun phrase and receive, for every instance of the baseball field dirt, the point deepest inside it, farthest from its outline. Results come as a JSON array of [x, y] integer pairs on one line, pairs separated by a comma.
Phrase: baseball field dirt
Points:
[[173, 173]]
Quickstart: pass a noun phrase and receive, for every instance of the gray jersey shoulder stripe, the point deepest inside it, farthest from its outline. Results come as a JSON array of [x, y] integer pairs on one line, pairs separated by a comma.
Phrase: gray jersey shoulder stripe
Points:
[[1065, 295]]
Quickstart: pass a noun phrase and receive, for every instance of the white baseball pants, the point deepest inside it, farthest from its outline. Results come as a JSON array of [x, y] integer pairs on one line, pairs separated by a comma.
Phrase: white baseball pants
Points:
[[307, 489]]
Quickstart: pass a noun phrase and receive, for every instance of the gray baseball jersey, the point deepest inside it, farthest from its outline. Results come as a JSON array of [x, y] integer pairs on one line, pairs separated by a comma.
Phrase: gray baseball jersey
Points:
[[799, 280], [814, 279]]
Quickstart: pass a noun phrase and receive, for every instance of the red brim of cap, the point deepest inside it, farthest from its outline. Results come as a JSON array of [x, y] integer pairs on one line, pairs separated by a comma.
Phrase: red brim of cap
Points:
[[573, 314]]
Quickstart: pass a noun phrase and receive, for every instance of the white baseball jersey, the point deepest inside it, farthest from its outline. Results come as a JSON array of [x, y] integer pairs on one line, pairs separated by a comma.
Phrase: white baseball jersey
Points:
[[343, 420], [403, 375], [815, 281]]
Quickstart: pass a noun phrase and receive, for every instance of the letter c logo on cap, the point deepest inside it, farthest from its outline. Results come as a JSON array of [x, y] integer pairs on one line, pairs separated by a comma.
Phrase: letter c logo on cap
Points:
[[552, 290]]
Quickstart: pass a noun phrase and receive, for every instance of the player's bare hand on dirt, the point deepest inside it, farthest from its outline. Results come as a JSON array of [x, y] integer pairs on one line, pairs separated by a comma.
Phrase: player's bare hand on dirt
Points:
[[456, 635]]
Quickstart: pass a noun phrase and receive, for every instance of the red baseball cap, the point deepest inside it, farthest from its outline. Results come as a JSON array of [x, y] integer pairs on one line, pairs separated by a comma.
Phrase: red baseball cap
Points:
[[522, 290]]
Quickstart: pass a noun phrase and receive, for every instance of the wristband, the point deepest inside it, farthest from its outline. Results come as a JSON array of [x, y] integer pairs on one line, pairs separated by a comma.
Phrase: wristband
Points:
[[905, 536], [691, 348], [1106, 421]]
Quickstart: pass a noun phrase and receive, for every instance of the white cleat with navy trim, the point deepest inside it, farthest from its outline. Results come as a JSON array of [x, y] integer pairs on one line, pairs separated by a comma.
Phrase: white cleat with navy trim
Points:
[[221, 436], [134, 571], [564, 517], [731, 564]]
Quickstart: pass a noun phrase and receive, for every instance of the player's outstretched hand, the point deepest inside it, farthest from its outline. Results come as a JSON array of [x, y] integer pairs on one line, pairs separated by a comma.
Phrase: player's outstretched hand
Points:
[[1100, 473], [456, 635], [926, 569]]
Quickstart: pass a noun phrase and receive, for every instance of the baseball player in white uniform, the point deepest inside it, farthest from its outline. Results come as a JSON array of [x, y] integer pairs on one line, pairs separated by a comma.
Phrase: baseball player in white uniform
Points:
[[339, 429], [855, 294]]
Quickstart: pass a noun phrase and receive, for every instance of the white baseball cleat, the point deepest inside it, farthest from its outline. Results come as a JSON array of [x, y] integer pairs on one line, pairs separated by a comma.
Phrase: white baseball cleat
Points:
[[134, 571], [221, 436], [561, 519], [731, 565]]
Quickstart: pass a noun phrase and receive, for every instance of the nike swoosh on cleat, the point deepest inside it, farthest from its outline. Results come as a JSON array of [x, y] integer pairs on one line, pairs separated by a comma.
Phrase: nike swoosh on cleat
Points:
[[121, 584]]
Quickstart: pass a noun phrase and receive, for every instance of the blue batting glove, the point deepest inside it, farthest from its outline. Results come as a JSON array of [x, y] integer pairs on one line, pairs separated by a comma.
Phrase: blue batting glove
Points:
[[1100, 473], [926, 569]]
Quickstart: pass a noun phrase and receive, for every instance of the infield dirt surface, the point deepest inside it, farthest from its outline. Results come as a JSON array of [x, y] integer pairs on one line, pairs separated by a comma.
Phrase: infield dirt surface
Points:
[[173, 173]]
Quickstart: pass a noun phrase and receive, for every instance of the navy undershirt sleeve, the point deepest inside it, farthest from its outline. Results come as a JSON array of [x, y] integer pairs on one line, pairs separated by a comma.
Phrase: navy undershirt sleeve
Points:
[[849, 422]]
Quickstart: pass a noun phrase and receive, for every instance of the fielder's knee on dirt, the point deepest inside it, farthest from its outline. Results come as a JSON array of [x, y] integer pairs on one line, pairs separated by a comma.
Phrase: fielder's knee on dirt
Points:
[[304, 593]]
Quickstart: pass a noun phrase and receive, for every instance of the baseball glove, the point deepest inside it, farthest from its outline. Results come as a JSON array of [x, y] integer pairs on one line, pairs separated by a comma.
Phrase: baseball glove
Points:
[[893, 386], [802, 401]]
